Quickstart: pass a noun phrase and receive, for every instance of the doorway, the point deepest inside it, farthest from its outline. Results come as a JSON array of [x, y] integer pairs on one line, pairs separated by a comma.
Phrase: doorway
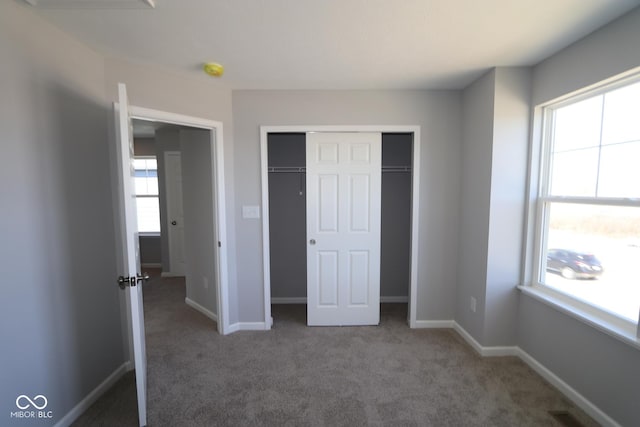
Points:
[[191, 149], [284, 184]]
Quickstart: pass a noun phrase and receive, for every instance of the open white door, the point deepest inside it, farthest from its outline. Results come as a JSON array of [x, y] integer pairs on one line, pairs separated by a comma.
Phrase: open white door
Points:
[[131, 280], [343, 228]]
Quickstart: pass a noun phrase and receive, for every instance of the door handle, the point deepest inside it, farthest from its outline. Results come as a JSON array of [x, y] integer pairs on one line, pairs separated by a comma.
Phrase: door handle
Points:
[[173, 222], [312, 241], [123, 282]]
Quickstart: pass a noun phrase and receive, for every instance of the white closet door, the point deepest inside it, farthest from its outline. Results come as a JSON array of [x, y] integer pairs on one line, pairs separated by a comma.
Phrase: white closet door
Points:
[[343, 228]]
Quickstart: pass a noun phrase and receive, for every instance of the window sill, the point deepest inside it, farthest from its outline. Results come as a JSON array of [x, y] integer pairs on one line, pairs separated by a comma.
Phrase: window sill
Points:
[[622, 330]]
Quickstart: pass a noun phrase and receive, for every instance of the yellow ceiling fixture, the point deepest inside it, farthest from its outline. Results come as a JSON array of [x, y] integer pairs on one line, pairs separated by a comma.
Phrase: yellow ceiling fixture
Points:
[[213, 69]]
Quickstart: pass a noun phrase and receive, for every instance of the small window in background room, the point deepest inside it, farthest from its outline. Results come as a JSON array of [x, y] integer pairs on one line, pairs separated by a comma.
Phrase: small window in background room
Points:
[[589, 203], [146, 188]]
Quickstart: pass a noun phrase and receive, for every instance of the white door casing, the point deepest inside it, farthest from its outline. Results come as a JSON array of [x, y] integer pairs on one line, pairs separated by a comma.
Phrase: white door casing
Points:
[[343, 228], [175, 213], [415, 203], [131, 255]]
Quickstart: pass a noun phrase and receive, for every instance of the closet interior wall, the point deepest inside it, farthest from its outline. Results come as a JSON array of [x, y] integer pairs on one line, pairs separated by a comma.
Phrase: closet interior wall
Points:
[[395, 233], [287, 217]]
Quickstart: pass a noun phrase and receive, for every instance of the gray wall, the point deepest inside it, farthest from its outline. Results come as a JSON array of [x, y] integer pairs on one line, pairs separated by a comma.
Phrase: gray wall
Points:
[[604, 370], [144, 146], [199, 237], [601, 368], [150, 250], [477, 129], [496, 117], [60, 320], [510, 147], [438, 114]]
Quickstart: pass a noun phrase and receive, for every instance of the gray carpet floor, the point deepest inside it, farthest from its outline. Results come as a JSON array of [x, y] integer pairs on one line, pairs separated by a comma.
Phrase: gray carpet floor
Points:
[[296, 375]]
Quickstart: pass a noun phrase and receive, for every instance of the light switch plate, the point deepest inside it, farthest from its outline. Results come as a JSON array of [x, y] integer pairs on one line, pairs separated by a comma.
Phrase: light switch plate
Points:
[[250, 212]]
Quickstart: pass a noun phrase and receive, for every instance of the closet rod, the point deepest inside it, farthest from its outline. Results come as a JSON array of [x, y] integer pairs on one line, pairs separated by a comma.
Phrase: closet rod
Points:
[[396, 169], [286, 169], [294, 169]]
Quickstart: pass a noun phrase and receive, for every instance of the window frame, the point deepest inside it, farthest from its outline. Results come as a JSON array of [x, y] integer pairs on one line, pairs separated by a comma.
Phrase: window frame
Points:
[[149, 196], [539, 204]]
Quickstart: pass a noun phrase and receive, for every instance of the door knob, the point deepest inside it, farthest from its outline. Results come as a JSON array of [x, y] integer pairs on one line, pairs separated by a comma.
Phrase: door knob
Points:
[[312, 241], [173, 222]]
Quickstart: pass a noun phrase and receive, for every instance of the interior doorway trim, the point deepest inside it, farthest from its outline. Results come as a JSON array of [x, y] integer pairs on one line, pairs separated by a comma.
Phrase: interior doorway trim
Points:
[[415, 203], [219, 205]]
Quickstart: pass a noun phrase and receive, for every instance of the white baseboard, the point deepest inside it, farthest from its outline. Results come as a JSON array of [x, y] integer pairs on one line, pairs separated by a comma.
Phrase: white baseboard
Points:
[[433, 324], [303, 300], [494, 351], [95, 394], [248, 326], [170, 274], [211, 315], [582, 402], [151, 265]]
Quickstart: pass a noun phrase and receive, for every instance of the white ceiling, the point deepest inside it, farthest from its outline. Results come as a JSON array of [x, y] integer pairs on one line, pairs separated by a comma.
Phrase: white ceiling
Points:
[[339, 44]]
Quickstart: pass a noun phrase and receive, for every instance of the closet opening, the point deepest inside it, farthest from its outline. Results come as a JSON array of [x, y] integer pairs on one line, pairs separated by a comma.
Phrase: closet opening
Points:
[[286, 167]]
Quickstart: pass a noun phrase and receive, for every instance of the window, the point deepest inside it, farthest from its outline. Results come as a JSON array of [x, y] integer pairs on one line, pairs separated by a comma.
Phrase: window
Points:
[[146, 188], [588, 210]]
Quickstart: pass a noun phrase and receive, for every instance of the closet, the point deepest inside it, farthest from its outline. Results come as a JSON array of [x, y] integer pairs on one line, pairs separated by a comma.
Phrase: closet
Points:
[[287, 217]]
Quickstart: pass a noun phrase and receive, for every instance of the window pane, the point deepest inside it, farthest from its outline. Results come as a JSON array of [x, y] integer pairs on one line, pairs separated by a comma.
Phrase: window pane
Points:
[[575, 173], [152, 164], [146, 186], [146, 176], [577, 126], [575, 148], [140, 164], [620, 170], [621, 120], [148, 214], [592, 252]]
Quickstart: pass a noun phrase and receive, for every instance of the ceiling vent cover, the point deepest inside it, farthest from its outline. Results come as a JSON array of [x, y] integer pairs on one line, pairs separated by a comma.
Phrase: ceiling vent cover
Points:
[[92, 4]]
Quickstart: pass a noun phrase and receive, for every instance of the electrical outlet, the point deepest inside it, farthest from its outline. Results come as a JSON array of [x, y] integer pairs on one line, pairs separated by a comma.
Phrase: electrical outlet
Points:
[[205, 282], [472, 304]]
